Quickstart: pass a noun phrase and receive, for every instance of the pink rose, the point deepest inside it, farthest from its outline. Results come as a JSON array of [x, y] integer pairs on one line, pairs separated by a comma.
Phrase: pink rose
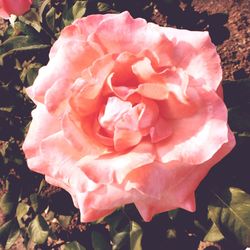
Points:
[[15, 7], [128, 112]]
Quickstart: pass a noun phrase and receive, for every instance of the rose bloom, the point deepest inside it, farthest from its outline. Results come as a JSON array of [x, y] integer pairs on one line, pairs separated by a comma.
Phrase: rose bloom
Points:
[[15, 7], [128, 112]]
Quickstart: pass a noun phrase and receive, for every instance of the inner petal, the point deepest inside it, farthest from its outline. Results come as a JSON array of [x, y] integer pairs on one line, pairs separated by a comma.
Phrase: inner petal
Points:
[[113, 112]]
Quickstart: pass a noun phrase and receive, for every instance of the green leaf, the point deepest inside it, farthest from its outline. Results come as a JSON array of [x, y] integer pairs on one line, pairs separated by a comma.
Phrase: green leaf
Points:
[[64, 220], [32, 18], [38, 230], [34, 202], [9, 232], [214, 234], [103, 7], [37, 203], [21, 211], [13, 235], [116, 221], [99, 242], [8, 202], [76, 11], [230, 211], [32, 72], [50, 18], [135, 236], [79, 9], [121, 240], [74, 245], [4, 231], [19, 44]]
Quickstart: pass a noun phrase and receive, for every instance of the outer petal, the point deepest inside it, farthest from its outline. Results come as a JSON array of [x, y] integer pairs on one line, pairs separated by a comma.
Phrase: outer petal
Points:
[[112, 167], [197, 138], [194, 52], [67, 63], [176, 183], [123, 27], [39, 130]]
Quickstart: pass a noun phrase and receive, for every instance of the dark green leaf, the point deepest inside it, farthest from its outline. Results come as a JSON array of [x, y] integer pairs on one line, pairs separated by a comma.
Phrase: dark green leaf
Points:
[[19, 44], [32, 18], [50, 18], [13, 235], [38, 230], [9, 232], [37, 203], [116, 221], [8, 203], [99, 242], [121, 240], [74, 245], [32, 72], [4, 231], [34, 202], [135, 236], [230, 211]]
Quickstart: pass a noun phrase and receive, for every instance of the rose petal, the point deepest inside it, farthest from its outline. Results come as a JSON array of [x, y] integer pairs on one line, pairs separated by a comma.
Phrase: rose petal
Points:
[[81, 140], [123, 27], [104, 168], [153, 91], [208, 126], [86, 91], [161, 130], [56, 97], [114, 110], [38, 131], [59, 155], [69, 59], [15, 7], [195, 53]]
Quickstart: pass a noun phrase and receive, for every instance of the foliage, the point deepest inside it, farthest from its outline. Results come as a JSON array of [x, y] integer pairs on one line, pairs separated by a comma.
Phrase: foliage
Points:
[[32, 214]]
